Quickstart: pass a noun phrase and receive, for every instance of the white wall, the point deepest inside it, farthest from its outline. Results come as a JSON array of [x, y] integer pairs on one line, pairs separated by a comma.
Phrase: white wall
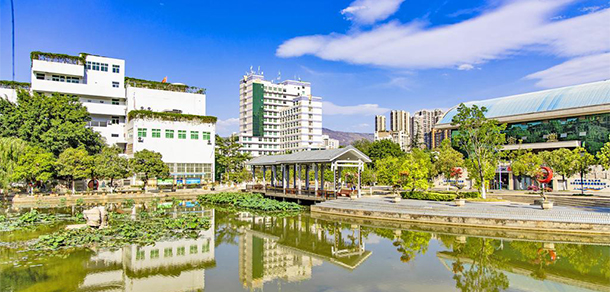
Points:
[[174, 150], [8, 93], [161, 100]]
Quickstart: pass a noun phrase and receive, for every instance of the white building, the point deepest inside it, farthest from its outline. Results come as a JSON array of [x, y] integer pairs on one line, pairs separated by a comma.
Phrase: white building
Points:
[[380, 123], [166, 118], [278, 117], [422, 123], [330, 143]]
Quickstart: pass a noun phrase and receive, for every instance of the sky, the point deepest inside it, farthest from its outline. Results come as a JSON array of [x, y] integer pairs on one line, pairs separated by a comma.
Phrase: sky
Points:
[[363, 57]]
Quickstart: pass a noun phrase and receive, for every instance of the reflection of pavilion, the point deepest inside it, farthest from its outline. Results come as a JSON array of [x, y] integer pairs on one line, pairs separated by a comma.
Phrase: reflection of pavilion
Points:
[[177, 265], [288, 248]]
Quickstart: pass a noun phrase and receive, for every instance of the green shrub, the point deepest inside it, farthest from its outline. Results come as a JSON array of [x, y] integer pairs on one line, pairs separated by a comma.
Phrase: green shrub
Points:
[[465, 195], [428, 196]]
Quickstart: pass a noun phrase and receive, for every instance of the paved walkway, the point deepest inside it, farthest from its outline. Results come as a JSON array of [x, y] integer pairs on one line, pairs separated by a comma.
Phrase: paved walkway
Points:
[[500, 210]]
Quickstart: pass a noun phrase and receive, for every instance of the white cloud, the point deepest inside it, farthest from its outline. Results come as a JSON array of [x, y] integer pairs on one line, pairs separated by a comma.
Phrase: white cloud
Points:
[[227, 127], [465, 67], [371, 11], [329, 108], [511, 29], [575, 71]]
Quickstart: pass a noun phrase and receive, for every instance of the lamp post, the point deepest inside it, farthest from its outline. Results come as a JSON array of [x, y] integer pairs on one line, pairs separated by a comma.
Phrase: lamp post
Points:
[[582, 183]]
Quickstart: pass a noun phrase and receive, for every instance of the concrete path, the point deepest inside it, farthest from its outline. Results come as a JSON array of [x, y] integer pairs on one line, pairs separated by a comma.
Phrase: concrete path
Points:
[[501, 214]]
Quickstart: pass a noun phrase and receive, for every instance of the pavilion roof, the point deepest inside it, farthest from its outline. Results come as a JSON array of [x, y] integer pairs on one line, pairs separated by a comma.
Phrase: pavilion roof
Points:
[[313, 156]]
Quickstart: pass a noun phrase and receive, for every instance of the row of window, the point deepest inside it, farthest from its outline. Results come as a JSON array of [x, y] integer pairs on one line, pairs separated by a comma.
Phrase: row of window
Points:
[[59, 78], [169, 252], [190, 167], [169, 134], [261, 146], [96, 66]]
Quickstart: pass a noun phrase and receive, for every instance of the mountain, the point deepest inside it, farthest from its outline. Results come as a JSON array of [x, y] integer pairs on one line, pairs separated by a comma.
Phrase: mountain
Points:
[[346, 138]]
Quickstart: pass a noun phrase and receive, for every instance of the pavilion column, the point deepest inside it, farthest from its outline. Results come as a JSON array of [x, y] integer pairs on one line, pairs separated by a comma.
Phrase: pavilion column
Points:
[[264, 175], [273, 178], [359, 181], [253, 174], [294, 176], [340, 178], [322, 176], [297, 168], [334, 169], [315, 174], [307, 177], [284, 183]]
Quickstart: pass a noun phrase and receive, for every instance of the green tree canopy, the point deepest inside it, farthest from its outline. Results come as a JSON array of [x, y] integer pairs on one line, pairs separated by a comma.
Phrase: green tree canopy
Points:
[[149, 164], [229, 160], [11, 149], [604, 155], [364, 145], [383, 148], [447, 159], [74, 164], [34, 165], [562, 162], [481, 139], [415, 170], [54, 122], [110, 165]]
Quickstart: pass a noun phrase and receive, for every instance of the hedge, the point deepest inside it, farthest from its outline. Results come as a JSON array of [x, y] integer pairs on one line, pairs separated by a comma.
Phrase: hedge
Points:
[[428, 196], [173, 117], [465, 195], [135, 82], [62, 58]]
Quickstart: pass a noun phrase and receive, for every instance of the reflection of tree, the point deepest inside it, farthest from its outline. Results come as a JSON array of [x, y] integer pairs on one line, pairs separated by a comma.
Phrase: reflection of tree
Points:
[[482, 274], [61, 272], [227, 228], [408, 243]]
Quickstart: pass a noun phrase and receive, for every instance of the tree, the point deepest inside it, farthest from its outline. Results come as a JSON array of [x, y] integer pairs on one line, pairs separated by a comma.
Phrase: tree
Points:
[[364, 145], [447, 160], [583, 161], [481, 139], [54, 122], [561, 161], [11, 149], [228, 157], [35, 165], [526, 163], [149, 164], [74, 164], [384, 148], [387, 170], [110, 165], [604, 155], [414, 171]]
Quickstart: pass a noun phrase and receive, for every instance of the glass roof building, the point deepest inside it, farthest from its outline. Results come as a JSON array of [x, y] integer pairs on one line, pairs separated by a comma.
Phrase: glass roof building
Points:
[[569, 117]]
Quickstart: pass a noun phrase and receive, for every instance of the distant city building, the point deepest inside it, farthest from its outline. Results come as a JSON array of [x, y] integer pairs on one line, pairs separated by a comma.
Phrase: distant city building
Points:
[[400, 121], [278, 117], [330, 143], [101, 86], [380, 123], [422, 123]]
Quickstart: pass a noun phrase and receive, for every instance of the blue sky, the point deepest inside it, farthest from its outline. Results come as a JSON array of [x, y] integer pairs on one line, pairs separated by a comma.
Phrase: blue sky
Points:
[[364, 57]]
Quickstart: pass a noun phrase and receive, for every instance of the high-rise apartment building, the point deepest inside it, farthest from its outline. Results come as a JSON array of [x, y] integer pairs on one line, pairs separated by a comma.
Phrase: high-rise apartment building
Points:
[[380, 123], [278, 117], [135, 114], [400, 121], [422, 123]]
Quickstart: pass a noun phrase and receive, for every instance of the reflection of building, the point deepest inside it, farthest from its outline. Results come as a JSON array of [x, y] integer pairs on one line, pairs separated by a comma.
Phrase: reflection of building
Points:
[[174, 265], [288, 248]]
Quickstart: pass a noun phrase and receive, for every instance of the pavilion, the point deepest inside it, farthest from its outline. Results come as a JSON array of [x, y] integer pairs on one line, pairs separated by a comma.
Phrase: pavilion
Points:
[[295, 164]]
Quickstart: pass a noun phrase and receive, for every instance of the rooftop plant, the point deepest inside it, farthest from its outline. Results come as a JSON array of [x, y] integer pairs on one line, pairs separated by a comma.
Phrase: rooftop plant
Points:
[[173, 117], [14, 84], [163, 86], [60, 58]]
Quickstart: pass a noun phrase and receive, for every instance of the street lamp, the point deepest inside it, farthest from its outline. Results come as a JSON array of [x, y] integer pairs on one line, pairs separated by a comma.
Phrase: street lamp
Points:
[[582, 183]]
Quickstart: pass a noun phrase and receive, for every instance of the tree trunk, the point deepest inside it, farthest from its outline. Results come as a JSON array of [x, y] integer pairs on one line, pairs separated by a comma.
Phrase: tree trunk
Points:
[[111, 185], [73, 187], [483, 190]]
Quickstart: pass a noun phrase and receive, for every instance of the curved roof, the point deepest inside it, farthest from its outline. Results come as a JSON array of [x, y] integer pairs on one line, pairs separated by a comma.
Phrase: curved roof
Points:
[[349, 153], [583, 95]]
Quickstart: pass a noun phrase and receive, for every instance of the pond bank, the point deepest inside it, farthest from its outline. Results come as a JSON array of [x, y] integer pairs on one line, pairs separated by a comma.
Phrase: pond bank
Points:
[[504, 215]]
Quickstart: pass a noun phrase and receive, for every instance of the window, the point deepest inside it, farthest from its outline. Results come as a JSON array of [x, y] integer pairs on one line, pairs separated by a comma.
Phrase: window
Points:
[[95, 66], [88, 65], [104, 67], [169, 134], [141, 132], [168, 252], [40, 76], [140, 254], [72, 80], [115, 84], [193, 249], [181, 134], [114, 120], [154, 254], [114, 135], [156, 133], [55, 77], [181, 251], [115, 101], [194, 135], [116, 69]]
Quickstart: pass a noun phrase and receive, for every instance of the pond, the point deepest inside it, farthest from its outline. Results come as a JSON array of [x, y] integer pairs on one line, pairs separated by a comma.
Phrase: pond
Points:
[[246, 252]]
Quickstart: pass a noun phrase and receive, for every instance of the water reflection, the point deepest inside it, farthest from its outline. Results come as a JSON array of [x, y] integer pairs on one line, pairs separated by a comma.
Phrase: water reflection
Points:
[[303, 253]]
